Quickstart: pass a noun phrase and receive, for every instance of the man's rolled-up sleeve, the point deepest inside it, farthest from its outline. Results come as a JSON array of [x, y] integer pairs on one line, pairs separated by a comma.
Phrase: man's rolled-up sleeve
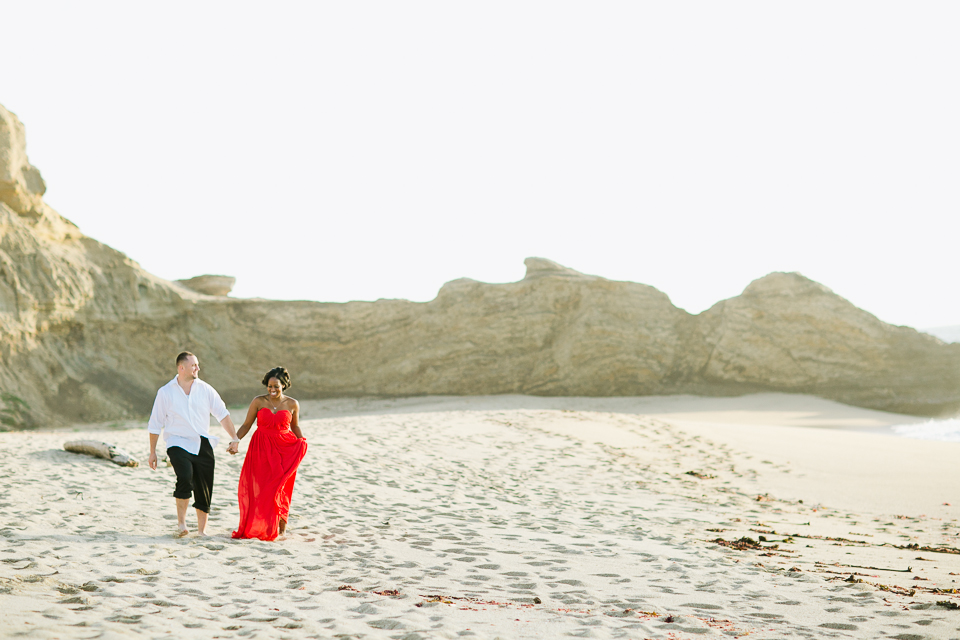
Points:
[[217, 407], [155, 425]]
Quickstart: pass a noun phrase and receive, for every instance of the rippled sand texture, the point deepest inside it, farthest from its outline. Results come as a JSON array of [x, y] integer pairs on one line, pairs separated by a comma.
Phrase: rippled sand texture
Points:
[[509, 524]]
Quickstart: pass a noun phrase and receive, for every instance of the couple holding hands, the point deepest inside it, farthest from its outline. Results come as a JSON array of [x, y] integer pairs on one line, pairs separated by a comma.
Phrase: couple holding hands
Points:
[[182, 413]]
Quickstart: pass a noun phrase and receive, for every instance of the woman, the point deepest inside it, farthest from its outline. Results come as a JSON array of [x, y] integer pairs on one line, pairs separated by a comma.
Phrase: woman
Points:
[[270, 468]]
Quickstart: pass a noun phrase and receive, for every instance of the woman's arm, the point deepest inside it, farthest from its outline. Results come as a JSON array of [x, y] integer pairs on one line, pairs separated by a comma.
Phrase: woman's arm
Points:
[[251, 416], [295, 420]]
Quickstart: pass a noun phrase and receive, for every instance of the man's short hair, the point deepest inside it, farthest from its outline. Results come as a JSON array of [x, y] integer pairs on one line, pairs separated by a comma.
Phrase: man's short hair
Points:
[[183, 356]]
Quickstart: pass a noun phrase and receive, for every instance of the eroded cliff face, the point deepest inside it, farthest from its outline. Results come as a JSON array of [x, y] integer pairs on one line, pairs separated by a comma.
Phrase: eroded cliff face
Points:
[[21, 187], [60, 295], [87, 335], [787, 332], [556, 332]]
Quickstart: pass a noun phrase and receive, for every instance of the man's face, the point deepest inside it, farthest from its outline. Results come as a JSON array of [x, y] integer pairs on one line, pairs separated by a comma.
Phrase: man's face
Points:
[[189, 368]]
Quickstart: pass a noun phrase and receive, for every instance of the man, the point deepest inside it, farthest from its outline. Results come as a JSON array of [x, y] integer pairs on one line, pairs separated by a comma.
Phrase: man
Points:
[[182, 410]]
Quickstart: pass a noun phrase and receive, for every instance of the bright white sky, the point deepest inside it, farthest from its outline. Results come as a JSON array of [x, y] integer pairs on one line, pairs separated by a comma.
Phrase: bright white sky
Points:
[[359, 150]]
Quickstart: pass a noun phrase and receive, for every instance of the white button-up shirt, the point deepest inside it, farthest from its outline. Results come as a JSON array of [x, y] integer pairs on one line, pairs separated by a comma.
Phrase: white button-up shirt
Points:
[[185, 418]]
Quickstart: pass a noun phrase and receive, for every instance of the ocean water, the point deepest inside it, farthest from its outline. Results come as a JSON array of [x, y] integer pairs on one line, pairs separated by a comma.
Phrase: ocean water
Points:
[[943, 430]]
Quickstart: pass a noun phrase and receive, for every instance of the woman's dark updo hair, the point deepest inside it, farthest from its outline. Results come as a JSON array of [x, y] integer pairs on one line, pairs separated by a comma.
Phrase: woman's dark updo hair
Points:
[[281, 374]]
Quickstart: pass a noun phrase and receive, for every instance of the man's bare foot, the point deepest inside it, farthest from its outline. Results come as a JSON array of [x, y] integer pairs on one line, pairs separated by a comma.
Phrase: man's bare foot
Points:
[[203, 533], [182, 530]]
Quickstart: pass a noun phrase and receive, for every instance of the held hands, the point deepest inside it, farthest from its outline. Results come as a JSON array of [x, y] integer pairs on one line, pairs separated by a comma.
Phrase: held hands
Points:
[[233, 448]]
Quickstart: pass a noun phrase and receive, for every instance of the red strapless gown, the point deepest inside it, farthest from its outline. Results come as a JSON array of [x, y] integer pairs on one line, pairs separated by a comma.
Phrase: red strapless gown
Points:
[[268, 474]]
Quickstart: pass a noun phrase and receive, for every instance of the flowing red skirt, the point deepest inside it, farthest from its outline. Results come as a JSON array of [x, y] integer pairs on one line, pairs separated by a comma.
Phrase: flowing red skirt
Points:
[[268, 474]]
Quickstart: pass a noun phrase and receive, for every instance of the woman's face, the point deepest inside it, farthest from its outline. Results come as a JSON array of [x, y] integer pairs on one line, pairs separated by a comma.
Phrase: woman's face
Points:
[[274, 388]]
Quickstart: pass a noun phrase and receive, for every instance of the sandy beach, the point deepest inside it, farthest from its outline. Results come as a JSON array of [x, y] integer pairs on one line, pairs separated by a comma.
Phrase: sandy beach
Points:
[[505, 517]]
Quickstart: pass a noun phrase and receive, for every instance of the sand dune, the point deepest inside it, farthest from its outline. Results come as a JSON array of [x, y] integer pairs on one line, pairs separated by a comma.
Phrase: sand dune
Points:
[[506, 517]]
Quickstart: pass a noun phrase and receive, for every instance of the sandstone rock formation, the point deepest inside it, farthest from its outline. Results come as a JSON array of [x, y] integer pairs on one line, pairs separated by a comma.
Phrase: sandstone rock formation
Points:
[[87, 335], [209, 285], [790, 333], [21, 187]]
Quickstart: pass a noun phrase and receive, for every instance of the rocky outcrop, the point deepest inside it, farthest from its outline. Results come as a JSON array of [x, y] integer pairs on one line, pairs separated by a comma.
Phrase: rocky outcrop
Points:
[[209, 285], [87, 335], [21, 187], [785, 332]]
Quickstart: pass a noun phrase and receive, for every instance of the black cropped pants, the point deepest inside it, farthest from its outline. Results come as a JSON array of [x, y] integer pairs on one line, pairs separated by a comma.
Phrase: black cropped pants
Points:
[[194, 473]]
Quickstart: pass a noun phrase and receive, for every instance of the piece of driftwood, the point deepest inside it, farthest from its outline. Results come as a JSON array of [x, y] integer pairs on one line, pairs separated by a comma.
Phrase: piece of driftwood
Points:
[[103, 450]]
